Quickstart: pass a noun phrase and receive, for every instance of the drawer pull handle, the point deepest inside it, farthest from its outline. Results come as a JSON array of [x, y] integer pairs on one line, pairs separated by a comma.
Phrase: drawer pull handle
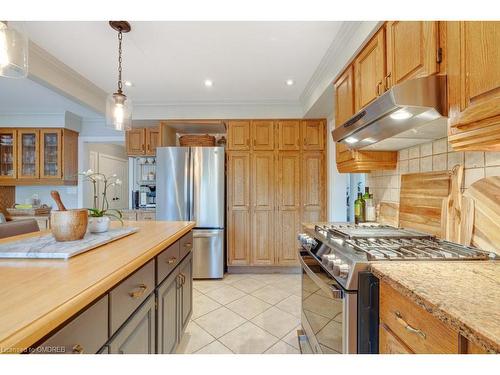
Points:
[[77, 349], [171, 260], [188, 245], [183, 278], [139, 291], [409, 328]]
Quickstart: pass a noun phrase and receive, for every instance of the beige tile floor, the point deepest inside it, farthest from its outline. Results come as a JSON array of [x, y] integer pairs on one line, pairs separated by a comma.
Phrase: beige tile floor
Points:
[[244, 313]]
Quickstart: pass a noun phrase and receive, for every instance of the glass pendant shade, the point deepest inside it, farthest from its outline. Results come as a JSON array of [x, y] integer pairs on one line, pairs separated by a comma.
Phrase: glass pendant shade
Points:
[[118, 112], [13, 53]]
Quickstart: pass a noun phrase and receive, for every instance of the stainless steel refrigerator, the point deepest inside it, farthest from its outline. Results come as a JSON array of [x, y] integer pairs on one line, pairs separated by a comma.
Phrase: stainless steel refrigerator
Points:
[[190, 187]]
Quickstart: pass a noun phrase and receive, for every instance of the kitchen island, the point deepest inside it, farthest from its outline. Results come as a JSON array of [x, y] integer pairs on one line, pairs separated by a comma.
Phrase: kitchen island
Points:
[[459, 301], [39, 296]]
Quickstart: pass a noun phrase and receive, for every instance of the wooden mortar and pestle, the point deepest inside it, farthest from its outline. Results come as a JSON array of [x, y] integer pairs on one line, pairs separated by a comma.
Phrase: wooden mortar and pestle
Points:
[[67, 225]]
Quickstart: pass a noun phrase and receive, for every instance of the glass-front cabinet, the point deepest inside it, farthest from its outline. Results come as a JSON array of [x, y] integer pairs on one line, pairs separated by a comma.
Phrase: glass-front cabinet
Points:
[[28, 154], [50, 153], [8, 147]]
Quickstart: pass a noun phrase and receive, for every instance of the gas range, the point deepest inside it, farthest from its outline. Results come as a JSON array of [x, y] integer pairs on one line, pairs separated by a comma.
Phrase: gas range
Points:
[[346, 249]]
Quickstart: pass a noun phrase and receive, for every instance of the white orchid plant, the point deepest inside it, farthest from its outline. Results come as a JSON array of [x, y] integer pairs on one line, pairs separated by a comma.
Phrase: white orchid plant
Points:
[[104, 210]]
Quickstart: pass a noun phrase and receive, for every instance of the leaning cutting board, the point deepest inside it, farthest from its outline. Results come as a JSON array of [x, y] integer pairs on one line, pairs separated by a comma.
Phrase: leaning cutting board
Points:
[[486, 226], [421, 200]]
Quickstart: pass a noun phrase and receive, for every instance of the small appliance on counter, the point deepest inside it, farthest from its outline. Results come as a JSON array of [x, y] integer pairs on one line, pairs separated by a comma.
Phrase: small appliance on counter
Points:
[[143, 183]]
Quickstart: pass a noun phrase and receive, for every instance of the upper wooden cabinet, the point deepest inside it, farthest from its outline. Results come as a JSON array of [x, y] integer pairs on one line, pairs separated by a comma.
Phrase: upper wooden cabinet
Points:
[[238, 135], [142, 141], [473, 57], [412, 50], [313, 135], [288, 135], [262, 135], [369, 71], [46, 156]]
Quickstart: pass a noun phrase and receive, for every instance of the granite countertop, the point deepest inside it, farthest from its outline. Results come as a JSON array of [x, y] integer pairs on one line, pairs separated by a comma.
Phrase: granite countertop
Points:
[[464, 295], [37, 295]]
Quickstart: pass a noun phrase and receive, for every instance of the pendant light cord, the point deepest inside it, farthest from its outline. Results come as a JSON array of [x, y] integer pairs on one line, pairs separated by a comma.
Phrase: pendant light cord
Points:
[[120, 62]]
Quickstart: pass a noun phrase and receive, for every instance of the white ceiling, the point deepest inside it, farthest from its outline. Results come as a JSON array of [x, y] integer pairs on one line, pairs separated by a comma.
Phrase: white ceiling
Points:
[[168, 61]]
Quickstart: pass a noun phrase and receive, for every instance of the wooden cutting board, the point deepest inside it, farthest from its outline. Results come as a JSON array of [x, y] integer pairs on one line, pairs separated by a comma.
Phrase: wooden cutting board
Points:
[[389, 213], [421, 200], [486, 225]]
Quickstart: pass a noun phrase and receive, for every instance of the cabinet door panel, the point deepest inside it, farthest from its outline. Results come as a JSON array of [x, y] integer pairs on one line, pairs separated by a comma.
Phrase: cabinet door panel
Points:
[[168, 314], [369, 68], [50, 153], [152, 140], [8, 154], [28, 152], [344, 109], [238, 197], [313, 185], [135, 140], [137, 336], [238, 135], [262, 135], [411, 50], [474, 85], [186, 292], [289, 135], [313, 135], [389, 343], [288, 201], [263, 182]]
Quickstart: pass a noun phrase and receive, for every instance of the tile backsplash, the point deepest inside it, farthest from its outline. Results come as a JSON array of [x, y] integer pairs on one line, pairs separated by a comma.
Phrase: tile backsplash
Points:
[[432, 156]]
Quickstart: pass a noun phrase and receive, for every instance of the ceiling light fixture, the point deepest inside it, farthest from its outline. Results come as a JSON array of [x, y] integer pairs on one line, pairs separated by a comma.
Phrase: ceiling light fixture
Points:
[[13, 52], [118, 106], [209, 83], [289, 82]]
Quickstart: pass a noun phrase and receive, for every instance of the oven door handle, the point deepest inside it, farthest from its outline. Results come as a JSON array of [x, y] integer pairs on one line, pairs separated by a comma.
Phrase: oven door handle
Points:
[[329, 289]]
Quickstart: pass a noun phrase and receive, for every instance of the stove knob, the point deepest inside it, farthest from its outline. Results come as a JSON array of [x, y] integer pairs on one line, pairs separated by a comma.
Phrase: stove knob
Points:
[[335, 270], [344, 270], [301, 236]]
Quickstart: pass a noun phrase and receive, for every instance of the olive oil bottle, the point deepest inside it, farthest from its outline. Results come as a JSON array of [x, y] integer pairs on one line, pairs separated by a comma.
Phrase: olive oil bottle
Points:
[[359, 209]]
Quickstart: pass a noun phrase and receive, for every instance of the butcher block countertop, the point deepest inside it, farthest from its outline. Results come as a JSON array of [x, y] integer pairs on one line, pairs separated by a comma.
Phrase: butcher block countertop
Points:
[[36, 296], [464, 295]]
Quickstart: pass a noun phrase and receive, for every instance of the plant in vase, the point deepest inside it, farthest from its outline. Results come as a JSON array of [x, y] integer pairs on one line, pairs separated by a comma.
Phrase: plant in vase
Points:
[[100, 216]]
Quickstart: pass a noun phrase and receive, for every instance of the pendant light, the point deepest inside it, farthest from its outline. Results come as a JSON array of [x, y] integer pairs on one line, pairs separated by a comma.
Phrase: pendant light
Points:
[[118, 106], [13, 52]]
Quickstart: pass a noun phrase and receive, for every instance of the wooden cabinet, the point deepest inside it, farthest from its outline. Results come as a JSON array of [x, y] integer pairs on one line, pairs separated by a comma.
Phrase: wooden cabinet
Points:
[[185, 292], [288, 135], [137, 336], [45, 156], [146, 215], [135, 142], [238, 135], [473, 70], [262, 211], [238, 200], [412, 50], [269, 192], [8, 155], [369, 71], [313, 186], [288, 207], [262, 135], [313, 135], [389, 344], [152, 140]]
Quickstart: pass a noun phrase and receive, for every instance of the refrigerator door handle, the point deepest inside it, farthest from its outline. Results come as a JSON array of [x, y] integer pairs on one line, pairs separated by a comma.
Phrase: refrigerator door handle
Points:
[[191, 185], [188, 183]]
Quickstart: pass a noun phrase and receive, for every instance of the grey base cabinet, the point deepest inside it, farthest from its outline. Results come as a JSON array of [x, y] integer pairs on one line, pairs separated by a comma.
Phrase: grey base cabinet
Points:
[[137, 335], [175, 306]]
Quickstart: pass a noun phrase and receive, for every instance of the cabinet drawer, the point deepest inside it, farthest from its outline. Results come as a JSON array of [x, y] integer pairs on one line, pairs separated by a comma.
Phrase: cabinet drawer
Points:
[[130, 293], [87, 333], [129, 215], [166, 261], [186, 244], [390, 344], [418, 329]]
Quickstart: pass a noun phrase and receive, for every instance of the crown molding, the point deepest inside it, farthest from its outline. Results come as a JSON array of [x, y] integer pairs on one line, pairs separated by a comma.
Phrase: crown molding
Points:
[[348, 41], [47, 70]]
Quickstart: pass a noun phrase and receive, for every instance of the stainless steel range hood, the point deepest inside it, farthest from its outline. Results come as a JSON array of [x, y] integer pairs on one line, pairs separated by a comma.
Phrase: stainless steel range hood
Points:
[[408, 114]]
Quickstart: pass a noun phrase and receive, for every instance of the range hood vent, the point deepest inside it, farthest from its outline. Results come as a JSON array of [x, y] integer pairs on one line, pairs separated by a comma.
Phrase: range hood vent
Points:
[[408, 114]]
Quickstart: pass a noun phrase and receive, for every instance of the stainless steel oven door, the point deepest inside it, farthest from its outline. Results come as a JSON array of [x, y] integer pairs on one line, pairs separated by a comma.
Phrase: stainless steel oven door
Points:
[[329, 314]]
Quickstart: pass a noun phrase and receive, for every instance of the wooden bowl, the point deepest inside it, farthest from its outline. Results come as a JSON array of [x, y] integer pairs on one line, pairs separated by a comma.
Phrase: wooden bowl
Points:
[[69, 225]]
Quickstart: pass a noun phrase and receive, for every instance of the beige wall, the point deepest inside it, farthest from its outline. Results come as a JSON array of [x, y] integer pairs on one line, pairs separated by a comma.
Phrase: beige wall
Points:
[[433, 156]]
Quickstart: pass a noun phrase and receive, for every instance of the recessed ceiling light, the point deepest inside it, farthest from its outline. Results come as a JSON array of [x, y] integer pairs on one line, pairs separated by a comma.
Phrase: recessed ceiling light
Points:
[[289, 82], [129, 84], [209, 83]]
